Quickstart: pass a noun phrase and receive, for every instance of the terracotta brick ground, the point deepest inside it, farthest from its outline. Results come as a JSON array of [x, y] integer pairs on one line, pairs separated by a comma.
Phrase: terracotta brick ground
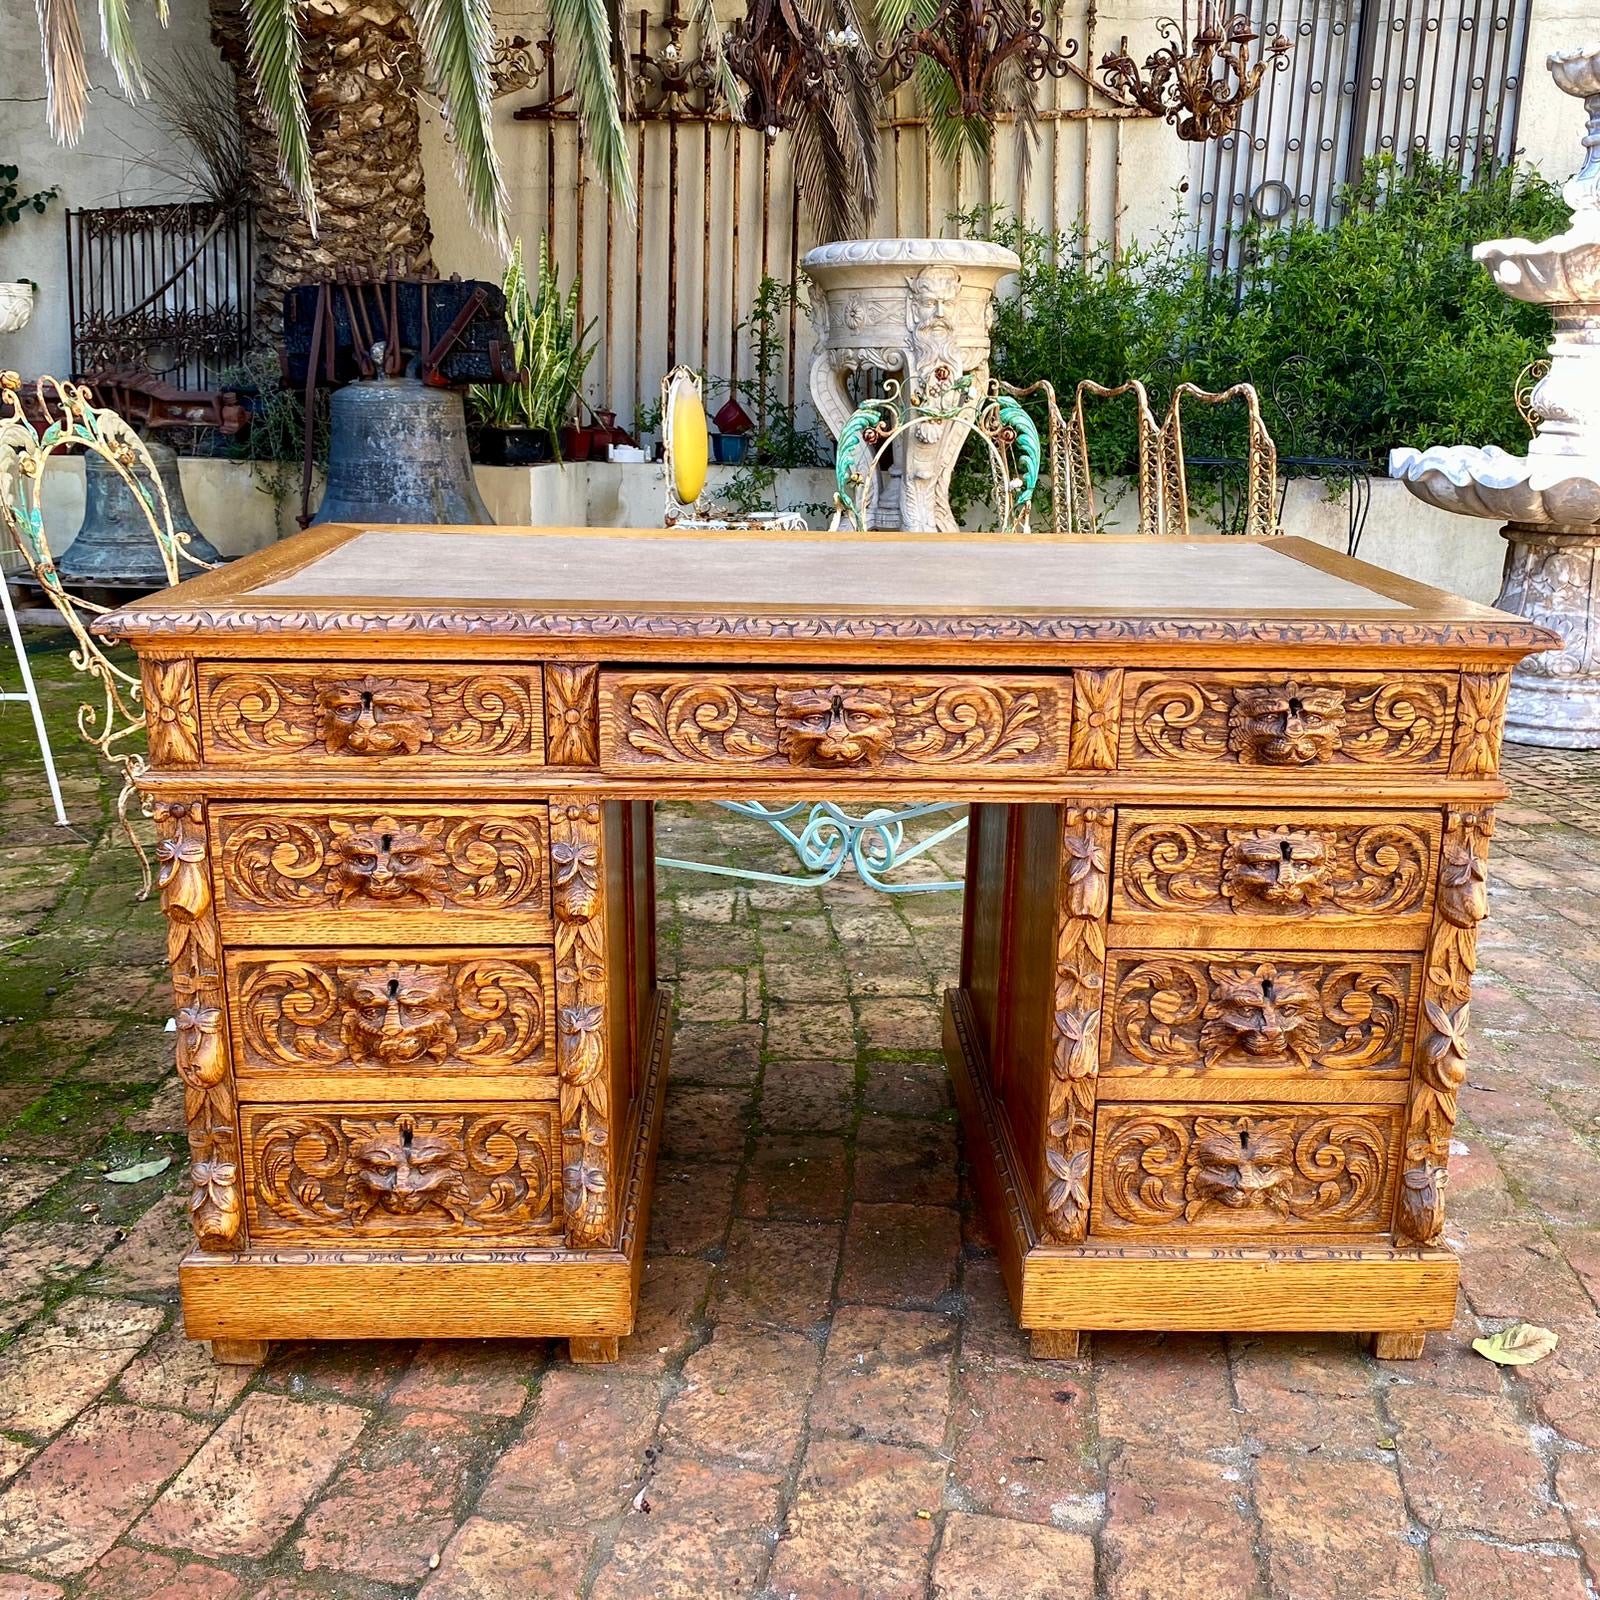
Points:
[[826, 1396]]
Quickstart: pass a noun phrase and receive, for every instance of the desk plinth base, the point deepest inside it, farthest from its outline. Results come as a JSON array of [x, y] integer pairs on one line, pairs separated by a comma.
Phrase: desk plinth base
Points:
[[587, 1297], [1060, 1292]]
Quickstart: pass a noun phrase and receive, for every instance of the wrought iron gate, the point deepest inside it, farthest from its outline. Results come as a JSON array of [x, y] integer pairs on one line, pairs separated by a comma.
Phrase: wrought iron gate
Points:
[[1366, 77], [162, 287]]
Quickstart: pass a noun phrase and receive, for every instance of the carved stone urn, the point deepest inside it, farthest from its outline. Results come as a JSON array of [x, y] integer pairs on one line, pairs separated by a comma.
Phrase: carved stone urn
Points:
[[917, 310], [1549, 499]]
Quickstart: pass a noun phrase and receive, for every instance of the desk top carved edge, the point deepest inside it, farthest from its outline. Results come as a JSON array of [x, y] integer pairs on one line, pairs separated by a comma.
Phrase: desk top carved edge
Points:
[[224, 609]]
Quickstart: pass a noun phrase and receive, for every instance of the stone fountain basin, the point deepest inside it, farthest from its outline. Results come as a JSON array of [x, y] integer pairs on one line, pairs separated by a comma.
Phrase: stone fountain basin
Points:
[[1561, 271], [1558, 492]]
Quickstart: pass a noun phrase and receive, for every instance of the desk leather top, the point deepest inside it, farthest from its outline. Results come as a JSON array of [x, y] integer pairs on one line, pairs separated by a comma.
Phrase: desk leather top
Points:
[[640, 586]]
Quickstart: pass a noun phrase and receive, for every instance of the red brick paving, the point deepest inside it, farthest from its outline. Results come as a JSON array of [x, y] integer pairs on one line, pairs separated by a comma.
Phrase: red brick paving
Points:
[[826, 1396]]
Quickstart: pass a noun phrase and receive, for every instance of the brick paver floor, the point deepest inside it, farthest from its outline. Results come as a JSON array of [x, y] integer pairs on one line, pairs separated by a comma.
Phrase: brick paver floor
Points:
[[825, 1396]]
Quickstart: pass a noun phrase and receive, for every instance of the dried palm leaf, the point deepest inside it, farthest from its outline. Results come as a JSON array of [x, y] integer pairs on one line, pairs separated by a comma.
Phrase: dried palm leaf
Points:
[[66, 75]]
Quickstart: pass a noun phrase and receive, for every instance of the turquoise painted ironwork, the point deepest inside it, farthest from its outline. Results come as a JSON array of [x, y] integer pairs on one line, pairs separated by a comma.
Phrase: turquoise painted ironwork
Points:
[[825, 837]]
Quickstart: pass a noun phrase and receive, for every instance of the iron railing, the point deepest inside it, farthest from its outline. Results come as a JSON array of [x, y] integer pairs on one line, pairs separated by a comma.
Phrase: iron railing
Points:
[[1366, 77]]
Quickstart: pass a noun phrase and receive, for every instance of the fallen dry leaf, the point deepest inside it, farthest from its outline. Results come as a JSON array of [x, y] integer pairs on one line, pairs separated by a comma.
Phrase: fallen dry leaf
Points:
[[1517, 1346]]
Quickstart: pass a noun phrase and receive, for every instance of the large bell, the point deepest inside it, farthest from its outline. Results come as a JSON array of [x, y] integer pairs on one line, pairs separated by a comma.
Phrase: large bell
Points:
[[397, 452], [114, 548]]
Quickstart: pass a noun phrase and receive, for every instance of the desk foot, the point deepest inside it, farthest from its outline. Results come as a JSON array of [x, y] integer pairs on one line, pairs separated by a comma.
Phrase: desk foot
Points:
[[1057, 1344], [591, 1351], [240, 1352], [1398, 1346]]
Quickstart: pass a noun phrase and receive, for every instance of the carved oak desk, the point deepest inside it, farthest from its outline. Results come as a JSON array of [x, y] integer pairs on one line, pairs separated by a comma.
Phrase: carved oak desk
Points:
[[1231, 807]]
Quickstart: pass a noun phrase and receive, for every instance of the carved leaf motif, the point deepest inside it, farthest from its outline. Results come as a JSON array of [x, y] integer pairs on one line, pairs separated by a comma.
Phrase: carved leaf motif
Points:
[[486, 1013], [577, 871], [370, 716], [1441, 1061], [1289, 870], [892, 723], [1079, 980], [1480, 723], [478, 1173], [572, 733], [1249, 1173], [1280, 721], [1186, 1015], [1096, 705]]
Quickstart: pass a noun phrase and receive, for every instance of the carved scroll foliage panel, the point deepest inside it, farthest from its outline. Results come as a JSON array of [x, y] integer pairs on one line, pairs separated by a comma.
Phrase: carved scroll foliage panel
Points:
[[1277, 866], [382, 872], [1228, 1014], [358, 1012], [387, 1174], [826, 721], [341, 714], [1180, 1172], [1288, 722]]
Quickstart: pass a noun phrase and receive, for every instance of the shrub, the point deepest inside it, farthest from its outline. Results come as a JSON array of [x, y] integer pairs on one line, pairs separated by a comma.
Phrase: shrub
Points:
[[1378, 331]]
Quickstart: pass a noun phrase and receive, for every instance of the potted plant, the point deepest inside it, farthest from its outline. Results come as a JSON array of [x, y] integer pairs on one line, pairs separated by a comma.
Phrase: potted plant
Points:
[[522, 423], [16, 299]]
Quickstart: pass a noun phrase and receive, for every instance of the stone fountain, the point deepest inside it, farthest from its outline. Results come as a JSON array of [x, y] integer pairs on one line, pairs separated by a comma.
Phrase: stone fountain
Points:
[[1549, 499], [919, 311]]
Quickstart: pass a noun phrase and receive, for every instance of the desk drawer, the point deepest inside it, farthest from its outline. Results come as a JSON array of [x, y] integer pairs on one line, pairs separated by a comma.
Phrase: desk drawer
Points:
[[340, 714], [1182, 1173], [1233, 1018], [445, 1175], [1288, 722], [353, 874], [377, 1015], [1188, 875], [864, 724]]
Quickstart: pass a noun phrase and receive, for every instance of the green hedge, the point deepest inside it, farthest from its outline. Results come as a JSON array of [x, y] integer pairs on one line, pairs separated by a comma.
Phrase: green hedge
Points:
[[1378, 331]]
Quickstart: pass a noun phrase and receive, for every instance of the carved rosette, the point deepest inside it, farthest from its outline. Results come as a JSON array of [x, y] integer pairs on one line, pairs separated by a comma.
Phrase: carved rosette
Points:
[[1441, 1062], [1082, 901], [1096, 716], [1480, 723], [171, 712], [194, 953], [577, 880], [572, 726]]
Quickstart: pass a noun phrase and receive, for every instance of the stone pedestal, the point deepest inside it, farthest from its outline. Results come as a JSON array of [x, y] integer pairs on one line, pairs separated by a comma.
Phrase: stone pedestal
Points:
[[1553, 578], [918, 311]]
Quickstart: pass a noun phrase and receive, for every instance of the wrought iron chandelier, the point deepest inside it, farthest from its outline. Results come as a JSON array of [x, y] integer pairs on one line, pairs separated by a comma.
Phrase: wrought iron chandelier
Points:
[[972, 40], [1196, 83], [786, 63]]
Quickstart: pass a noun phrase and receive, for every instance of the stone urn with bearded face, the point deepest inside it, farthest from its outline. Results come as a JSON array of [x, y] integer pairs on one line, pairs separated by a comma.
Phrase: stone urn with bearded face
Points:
[[917, 311]]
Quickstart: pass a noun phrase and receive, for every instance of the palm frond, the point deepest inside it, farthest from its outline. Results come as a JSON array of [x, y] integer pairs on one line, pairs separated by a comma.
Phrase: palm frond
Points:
[[954, 136], [585, 32], [836, 142], [116, 39], [273, 28], [714, 43], [66, 76], [457, 38]]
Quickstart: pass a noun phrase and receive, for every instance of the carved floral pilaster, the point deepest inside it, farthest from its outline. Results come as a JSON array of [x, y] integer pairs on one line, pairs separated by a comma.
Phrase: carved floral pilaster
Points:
[[194, 953], [577, 861], [171, 712], [1441, 1062], [1096, 717], [1083, 897], [1480, 724], [572, 719]]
